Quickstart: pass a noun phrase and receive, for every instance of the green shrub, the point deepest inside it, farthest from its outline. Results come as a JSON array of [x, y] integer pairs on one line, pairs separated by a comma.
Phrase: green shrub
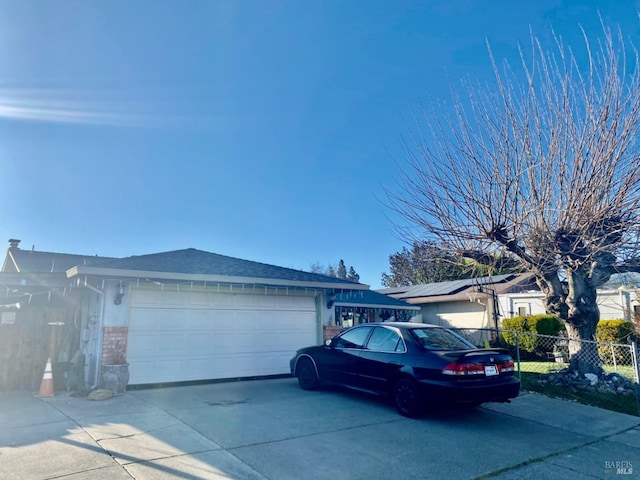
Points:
[[517, 326], [545, 324], [527, 328], [614, 331], [617, 331]]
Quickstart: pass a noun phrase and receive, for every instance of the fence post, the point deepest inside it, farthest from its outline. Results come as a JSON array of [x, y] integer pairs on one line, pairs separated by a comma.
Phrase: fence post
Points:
[[613, 355], [634, 356], [518, 355]]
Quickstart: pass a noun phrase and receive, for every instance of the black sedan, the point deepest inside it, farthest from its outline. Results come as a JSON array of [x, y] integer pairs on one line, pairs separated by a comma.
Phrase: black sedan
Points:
[[415, 363]]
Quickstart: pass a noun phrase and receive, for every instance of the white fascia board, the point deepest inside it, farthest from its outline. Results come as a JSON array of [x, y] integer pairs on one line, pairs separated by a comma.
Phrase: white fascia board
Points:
[[366, 305], [192, 277], [13, 261], [534, 294]]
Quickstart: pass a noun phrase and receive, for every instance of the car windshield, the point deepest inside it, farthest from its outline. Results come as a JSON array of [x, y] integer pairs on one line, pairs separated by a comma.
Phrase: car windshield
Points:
[[440, 339]]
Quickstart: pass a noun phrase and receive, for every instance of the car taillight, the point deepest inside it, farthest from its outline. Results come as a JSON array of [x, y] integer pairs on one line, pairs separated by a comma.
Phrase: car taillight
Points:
[[507, 367], [463, 369]]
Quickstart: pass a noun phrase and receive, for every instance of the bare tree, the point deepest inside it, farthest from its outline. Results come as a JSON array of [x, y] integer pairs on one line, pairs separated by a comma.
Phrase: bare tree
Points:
[[332, 271], [353, 275], [342, 270], [429, 262], [541, 168]]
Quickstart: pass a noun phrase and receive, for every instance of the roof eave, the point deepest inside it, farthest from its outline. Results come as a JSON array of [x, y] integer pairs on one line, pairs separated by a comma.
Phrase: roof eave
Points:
[[194, 277], [459, 297], [374, 305], [33, 279]]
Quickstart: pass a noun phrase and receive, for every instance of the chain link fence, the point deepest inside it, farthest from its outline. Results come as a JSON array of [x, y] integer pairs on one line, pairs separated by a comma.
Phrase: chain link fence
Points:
[[547, 363]]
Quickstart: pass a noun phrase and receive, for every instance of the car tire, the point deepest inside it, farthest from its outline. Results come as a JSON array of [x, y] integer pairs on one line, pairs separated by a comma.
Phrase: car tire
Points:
[[306, 373], [406, 398]]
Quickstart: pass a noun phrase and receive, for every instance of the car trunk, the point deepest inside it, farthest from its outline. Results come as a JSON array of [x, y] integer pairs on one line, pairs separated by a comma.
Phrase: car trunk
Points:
[[479, 364]]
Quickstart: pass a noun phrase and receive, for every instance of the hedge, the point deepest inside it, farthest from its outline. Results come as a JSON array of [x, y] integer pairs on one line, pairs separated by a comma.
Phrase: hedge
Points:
[[543, 324], [614, 331]]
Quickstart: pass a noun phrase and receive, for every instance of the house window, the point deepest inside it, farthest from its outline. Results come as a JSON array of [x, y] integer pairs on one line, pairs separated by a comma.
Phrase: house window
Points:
[[346, 316], [350, 316], [523, 311]]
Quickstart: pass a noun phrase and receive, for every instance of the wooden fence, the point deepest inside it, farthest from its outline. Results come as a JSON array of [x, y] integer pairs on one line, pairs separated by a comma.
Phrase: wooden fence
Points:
[[29, 337]]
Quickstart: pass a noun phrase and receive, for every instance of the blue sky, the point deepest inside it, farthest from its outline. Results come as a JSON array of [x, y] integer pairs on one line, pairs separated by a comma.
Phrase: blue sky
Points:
[[263, 130]]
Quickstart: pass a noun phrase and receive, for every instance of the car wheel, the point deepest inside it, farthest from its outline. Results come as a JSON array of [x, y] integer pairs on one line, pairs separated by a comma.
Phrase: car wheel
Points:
[[307, 376], [406, 398]]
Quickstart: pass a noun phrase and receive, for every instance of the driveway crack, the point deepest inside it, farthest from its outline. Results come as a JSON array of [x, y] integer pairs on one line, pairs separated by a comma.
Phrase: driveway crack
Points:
[[552, 455]]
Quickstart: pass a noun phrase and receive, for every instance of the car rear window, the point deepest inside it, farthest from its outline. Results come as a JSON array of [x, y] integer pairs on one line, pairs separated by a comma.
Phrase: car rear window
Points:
[[440, 339], [385, 340]]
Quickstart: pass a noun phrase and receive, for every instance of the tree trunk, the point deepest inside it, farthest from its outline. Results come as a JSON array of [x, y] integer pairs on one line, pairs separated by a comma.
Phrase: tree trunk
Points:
[[578, 309], [582, 319], [583, 354]]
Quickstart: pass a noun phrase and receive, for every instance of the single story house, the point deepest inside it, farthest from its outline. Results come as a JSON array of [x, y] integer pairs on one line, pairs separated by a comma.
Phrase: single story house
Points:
[[352, 307], [614, 304], [468, 303], [184, 315], [483, 302]]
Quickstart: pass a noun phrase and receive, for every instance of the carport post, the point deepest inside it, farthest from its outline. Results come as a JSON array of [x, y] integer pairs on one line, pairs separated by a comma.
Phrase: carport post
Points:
[[99, 333]]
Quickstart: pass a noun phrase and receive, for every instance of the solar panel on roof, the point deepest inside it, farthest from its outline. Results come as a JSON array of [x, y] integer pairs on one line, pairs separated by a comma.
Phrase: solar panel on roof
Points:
[[447, 288]]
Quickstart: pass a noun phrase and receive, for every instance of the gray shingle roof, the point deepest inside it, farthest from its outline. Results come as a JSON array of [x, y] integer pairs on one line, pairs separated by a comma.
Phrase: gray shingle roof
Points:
[[30, 261], [192, 261], [371, 298], [187, 261]]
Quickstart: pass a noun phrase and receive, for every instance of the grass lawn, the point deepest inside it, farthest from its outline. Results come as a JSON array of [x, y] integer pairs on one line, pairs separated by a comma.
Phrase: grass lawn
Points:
[[546, 367]]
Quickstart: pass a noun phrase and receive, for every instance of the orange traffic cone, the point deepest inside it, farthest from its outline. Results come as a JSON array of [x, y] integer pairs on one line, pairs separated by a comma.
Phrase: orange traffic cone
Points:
[[46, 387]]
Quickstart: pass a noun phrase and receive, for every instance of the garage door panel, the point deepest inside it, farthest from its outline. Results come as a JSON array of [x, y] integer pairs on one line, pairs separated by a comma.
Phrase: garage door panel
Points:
[[159, 319], [216, 335], [197, 320], [142, 298], [296, 321], [174, 299], [197, 342], [198, 299], [292, 340], [214, 366], [154, 371], [245, 321], [219, 299], [140, 345], [154, 345]]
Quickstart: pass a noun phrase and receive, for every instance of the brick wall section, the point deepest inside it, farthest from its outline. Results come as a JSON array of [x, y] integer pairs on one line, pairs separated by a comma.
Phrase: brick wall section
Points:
[[114, 345], [331, 331]]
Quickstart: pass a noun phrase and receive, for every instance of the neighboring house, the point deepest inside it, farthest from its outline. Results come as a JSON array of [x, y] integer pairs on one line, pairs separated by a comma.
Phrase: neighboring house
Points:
[[184, 315], [363, 306], [469, 303], [614, 304], [353, 307], [484, 302]]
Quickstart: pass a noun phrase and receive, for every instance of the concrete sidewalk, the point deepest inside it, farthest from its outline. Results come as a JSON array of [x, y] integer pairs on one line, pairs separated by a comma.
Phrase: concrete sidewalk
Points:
[[271, 429]]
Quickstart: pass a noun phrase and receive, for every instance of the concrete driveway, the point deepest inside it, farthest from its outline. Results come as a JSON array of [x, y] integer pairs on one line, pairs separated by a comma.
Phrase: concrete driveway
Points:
[[270, 429]]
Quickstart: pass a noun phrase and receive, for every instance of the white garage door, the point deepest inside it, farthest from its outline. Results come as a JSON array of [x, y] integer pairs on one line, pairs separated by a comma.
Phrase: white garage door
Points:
[[190, 335]]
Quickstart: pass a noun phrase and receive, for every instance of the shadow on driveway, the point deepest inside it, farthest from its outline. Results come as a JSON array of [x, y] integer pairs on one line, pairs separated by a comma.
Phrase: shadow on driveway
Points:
[[272, 429]]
